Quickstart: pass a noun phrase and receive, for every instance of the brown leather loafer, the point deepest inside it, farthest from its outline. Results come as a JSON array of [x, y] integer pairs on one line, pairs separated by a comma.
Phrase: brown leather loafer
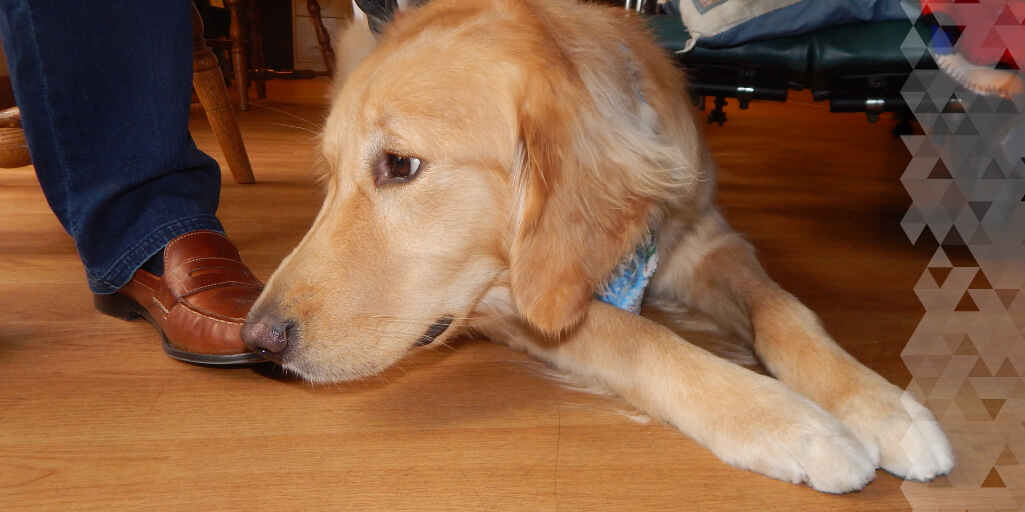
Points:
[[198, 304]]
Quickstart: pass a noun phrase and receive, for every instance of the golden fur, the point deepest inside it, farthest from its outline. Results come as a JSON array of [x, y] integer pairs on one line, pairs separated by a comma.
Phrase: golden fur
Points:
[[552, 137]]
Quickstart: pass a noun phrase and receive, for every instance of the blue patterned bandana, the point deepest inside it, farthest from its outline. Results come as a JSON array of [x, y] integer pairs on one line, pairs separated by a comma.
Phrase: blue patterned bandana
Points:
[[625, 288]]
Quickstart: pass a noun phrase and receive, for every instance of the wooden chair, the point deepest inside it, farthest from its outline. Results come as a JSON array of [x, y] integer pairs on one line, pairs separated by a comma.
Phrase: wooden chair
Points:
[[213, 96], [13, 148], [208, 82], [246, 46]]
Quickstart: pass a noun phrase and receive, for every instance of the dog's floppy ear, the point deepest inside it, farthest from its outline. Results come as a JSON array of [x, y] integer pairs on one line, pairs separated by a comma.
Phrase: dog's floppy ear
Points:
[[581, 209]]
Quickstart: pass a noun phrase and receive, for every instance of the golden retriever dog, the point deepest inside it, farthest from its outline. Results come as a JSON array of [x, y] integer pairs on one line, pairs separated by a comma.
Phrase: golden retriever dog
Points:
[[491, 164]]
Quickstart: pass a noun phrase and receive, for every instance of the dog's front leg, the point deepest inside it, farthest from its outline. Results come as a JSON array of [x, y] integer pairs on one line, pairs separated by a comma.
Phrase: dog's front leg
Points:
[[748, 420], [726, 281], [901, 434]]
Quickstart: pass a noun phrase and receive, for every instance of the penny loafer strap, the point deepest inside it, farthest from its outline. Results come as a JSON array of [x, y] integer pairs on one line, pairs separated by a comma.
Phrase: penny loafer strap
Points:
[[202, 274]]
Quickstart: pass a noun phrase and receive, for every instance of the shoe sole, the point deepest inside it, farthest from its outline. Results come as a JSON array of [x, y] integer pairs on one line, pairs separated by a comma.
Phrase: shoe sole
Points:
[[126, 309]]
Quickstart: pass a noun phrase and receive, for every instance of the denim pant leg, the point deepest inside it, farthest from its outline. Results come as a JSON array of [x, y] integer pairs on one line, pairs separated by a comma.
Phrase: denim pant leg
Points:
[[105, 90]]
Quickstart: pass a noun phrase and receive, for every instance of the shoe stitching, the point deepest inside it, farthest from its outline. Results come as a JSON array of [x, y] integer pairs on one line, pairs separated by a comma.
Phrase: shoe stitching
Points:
[[181, 282], [164, 310], [242, 265], [216, 258], [152, 299], [223, 320], [222, 284], [194, 233], [257, 285], [140, 283], [201, 258]]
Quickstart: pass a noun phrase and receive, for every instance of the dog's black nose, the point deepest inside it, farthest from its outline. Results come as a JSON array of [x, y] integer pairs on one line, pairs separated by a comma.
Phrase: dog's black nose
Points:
[[267, 340]]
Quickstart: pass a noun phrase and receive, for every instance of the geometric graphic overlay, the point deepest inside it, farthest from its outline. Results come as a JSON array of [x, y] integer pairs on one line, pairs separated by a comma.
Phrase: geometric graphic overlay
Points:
[[966, 179]]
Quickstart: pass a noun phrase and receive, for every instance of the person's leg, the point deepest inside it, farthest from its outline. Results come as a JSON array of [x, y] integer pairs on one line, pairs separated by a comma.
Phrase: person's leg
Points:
[[104, 91]]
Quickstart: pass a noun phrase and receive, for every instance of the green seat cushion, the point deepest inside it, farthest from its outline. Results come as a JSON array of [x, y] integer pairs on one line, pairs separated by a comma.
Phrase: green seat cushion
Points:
[[860, 48], [788, 54], [867, 48], [668, 31]]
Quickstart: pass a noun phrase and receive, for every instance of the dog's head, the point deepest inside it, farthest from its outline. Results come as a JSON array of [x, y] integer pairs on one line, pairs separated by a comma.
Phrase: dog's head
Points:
[[483, 149]]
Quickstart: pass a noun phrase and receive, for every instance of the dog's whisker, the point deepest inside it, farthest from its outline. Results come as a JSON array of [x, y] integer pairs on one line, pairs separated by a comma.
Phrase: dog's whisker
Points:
[[303, 128], [318, 126], [381, 377], [395, 333], [407, 322], [414, 321], [442, 344]]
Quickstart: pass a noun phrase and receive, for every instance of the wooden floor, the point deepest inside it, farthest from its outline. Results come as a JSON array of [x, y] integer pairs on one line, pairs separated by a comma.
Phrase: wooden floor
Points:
[[93, 416]]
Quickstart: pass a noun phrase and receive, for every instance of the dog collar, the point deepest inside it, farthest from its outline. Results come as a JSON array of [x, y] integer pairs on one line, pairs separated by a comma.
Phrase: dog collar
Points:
[[625, 289]]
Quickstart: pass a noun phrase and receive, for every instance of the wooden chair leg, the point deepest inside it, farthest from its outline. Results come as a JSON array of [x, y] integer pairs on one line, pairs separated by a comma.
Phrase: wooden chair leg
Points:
[[13, 147], [237, 33], [209, 84], [259, 62], [323, 37]]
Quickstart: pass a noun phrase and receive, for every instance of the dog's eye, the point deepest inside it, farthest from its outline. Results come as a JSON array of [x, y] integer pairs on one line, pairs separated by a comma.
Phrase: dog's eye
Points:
[[396, 168]]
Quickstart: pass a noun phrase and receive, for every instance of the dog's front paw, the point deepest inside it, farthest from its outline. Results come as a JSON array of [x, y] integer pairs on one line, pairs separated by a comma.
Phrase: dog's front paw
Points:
[[822, 453], [901, 434], [796, 441], [924, 451], [836, 463]]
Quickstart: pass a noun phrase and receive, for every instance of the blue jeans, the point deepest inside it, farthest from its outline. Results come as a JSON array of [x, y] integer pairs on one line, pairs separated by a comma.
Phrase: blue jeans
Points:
[[104, 90]]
